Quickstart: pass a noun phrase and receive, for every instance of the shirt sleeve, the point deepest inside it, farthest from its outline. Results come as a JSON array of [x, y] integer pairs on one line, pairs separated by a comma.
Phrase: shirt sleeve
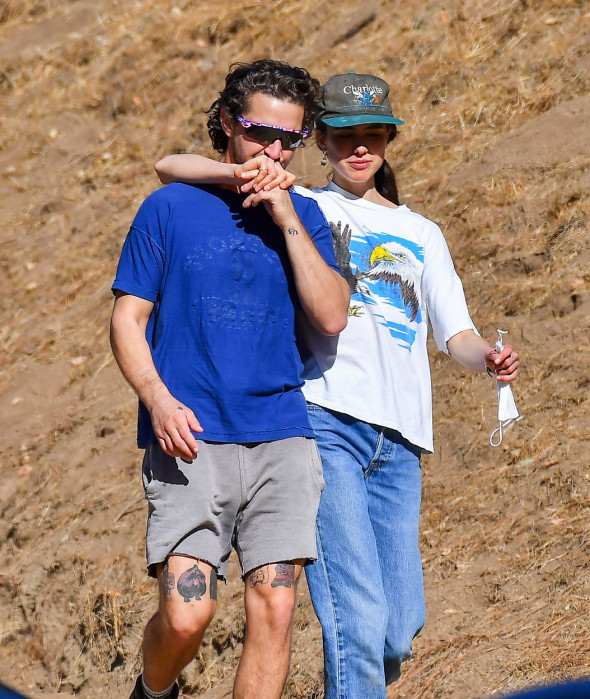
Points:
[[141, 265], [442, 288], [318, 228]]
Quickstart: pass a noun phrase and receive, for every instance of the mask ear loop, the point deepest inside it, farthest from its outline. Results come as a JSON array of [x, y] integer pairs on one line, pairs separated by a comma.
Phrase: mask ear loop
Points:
[[498, 430], [500, 434]]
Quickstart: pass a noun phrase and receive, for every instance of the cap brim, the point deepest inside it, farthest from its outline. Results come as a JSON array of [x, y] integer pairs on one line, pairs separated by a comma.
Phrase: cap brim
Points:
[[356, 119]]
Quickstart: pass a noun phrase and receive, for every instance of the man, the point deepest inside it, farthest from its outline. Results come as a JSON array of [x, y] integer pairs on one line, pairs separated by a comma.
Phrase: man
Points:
[[207, 291]]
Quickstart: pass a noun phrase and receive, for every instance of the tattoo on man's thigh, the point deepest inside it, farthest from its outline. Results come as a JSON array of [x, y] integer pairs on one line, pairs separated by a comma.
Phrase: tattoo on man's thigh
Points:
[[213, 584], [192, 584], [167, 581], [285, 575], [259, 576]]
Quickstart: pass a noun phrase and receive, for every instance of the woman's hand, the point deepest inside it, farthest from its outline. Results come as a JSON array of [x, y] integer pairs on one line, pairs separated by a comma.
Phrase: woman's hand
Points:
[[470, 349], [262, 173], [504, 364]]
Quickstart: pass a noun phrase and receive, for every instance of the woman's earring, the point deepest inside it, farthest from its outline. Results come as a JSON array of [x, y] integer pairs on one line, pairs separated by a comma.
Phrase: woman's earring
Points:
[[324, 159]]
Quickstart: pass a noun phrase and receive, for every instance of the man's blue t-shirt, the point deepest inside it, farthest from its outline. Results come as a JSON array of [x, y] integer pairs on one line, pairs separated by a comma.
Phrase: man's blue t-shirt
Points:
[[223, 328]]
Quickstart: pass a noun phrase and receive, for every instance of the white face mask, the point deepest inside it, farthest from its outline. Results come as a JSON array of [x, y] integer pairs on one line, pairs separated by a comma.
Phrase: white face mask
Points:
[[507, 410]]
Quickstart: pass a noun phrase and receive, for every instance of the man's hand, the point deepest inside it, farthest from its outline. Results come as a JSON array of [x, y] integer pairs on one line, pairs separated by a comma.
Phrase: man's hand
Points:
[[262, 173], [276, 199], [172, 421], [174, 424]]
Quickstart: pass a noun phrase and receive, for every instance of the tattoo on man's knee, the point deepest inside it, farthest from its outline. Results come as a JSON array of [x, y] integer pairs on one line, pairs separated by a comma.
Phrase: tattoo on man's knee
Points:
[[259, 576], [192, 584], [213, 584], [285, 576], [167, 581]]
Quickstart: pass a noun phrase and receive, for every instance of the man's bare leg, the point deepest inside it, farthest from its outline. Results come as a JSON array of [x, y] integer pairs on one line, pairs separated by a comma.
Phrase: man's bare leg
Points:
[[270, 602], [188, 595]]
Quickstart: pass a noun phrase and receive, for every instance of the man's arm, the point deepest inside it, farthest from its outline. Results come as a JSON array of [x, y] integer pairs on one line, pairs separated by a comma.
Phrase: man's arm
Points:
[[473, 352], [324, 294], [172, 421]]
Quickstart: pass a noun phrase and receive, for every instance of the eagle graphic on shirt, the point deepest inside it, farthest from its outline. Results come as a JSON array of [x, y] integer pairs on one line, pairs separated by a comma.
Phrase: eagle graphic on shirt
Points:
[[385, 267], [395, 264]]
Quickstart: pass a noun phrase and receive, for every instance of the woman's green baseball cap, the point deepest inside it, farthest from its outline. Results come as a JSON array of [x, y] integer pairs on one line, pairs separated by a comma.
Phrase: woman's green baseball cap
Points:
[[349, 99]]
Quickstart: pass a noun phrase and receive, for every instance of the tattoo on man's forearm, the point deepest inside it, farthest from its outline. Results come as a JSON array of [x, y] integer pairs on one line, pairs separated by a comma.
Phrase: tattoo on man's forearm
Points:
[[167, 581], [293, 231], [180, 407], [259, 576], [285, 576], [213, 584], [192, 583]]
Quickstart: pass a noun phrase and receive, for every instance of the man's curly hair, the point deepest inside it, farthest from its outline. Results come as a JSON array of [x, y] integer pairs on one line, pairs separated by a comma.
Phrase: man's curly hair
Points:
[[268, 77]]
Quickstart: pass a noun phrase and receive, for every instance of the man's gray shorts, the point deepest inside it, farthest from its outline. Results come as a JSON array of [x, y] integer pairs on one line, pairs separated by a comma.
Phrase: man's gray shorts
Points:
[[260, 498]]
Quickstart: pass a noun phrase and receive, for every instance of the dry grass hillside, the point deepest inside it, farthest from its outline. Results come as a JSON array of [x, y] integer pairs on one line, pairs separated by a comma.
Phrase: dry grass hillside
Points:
[[495, 148]]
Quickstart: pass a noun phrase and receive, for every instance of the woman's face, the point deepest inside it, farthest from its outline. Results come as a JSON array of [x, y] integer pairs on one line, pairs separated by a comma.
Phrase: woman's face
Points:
[[355, 153]]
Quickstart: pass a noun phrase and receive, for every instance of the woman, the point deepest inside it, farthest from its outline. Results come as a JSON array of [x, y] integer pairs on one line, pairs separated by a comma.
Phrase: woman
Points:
[[369, 389]]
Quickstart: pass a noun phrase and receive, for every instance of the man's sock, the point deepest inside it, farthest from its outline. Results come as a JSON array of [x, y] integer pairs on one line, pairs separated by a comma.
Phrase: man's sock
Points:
[[150, 694]]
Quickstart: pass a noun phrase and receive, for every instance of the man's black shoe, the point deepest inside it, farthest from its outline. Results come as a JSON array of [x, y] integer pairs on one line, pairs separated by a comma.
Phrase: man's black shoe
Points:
[[139, 694]]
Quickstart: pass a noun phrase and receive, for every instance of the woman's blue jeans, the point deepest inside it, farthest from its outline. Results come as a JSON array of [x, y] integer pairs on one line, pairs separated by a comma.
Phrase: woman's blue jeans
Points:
[[366, 586]]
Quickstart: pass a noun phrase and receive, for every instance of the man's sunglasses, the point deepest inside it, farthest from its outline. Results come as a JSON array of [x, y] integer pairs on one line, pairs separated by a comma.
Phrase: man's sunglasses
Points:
[[266, 134]]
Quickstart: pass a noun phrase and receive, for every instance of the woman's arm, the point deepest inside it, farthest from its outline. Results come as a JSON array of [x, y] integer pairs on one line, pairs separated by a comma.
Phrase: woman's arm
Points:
[[252, 176], [473, 352], [195, 169]]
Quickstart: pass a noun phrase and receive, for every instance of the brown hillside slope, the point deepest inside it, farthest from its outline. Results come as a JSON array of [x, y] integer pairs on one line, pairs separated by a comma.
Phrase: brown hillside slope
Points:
[[494, 94]]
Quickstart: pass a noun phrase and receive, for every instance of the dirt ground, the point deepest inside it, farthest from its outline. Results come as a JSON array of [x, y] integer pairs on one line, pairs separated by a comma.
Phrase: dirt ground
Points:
[[495, 148]]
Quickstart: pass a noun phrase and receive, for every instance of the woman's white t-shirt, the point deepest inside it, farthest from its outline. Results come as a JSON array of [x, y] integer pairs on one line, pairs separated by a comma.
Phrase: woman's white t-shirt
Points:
[[402, 281]]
